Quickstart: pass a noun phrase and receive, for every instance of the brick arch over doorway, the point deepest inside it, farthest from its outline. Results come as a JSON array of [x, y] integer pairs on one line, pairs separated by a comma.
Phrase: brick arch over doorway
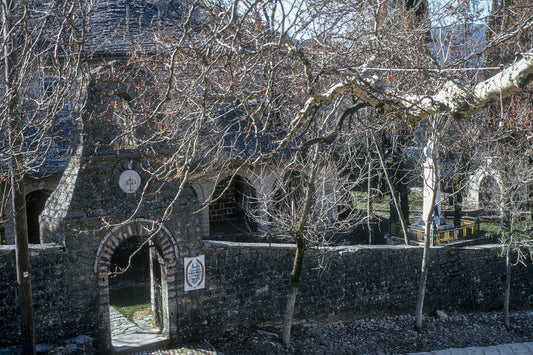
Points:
[[165, 242]]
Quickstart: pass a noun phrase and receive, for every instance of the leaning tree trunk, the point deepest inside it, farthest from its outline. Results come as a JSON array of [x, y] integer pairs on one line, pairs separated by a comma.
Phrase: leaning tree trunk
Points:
[[291, 301], [298, 258], [404, 195], [400, 178], [393, 194]]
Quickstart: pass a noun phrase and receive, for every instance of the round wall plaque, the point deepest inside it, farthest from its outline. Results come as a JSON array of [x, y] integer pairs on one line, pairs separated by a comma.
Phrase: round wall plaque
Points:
[[129, 181], [126, 180]]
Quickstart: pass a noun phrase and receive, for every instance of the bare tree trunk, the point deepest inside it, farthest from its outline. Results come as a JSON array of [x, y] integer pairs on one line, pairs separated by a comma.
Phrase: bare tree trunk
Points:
[[291, 301], [17, 188], [298, 258], [507, 294], [419, 312], [530, 200], [458, 185], [393, 194], [457, 206], [404, 196], [369, 203], [22, 259]]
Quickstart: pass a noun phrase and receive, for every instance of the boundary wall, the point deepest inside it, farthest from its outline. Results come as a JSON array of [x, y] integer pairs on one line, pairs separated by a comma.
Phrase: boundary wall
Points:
[[247, 284]]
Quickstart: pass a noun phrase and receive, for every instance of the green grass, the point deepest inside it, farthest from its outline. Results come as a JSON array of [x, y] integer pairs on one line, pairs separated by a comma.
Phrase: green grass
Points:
[[382, 203], [380, 206], [135, 312], [493, 228], [489, 227], [133, 302]]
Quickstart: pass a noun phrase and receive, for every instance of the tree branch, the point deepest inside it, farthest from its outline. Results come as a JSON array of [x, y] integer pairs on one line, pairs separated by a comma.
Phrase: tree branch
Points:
[[453, 97]]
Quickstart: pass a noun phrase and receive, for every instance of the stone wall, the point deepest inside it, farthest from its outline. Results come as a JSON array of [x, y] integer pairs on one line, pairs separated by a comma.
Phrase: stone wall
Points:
[[247, 284], [55, 316], [223, 209]]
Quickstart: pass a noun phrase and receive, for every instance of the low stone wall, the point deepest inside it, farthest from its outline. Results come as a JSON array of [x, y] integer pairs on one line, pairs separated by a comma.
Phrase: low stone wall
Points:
[[247, 284], [49, 289]]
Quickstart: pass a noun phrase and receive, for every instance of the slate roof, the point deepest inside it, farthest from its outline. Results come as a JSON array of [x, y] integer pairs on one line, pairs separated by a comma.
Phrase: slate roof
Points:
[[118, 26], [241, 136], [115, 28]]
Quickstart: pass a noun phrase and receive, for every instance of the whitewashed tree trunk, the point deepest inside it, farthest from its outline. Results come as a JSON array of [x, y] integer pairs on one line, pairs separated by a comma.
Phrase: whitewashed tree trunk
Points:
[[419, 313]]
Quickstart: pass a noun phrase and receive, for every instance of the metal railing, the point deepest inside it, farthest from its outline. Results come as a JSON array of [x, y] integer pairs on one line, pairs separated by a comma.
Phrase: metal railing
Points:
[[467, 230]]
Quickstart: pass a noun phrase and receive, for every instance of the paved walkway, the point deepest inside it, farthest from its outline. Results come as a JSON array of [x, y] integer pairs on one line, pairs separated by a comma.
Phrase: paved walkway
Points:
[[202, 348], [505, 349], [142, 339], [126, 335]]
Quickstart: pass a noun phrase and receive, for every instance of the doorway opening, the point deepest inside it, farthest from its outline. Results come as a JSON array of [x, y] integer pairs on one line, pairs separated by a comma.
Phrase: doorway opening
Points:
[[129, 282], [136, 267], [136, 291]]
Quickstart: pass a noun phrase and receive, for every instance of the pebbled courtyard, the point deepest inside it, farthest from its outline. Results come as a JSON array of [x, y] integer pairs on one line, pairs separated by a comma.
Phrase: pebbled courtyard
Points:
[[390, 335]]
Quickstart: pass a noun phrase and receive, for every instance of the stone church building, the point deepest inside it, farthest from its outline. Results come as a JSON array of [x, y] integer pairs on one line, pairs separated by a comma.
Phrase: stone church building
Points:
[[91, 198], [85, 206]]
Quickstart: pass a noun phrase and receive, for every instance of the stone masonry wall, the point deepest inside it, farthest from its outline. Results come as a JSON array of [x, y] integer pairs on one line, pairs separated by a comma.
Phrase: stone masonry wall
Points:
[[223, 209], [54, 317], [247, 284]]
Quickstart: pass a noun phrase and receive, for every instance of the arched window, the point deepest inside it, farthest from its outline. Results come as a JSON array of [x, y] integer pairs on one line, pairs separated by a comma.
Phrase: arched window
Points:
[[35, 202], [125, 119]]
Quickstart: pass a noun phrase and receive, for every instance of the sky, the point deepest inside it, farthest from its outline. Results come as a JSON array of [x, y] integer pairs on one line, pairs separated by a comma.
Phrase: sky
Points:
[[479, 9]]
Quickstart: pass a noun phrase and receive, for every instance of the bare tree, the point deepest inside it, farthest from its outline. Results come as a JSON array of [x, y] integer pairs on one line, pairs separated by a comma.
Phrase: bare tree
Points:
[[234, 85], [303, 207], [42, 46], [241, 85], [431, 211]]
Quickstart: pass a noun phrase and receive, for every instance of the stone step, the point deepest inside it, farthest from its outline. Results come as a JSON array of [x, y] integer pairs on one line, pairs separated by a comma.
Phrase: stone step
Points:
[[201, 348]]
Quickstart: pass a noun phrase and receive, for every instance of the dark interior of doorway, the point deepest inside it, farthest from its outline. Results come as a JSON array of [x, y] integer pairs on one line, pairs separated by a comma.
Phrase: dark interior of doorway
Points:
[[130, 290], [35, 202]]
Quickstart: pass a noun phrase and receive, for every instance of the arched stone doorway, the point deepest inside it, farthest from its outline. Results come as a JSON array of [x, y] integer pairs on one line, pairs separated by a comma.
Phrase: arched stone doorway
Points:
[[163, 259], [484, 190], [35, 202], [490, 194]]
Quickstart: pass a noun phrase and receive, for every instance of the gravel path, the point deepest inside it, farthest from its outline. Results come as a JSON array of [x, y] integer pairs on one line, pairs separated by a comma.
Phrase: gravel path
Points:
[[389, 335]]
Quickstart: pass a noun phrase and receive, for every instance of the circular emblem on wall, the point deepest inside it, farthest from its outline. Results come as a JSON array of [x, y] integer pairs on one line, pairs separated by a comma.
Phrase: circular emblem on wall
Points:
[[129, 181], [126, 180]]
